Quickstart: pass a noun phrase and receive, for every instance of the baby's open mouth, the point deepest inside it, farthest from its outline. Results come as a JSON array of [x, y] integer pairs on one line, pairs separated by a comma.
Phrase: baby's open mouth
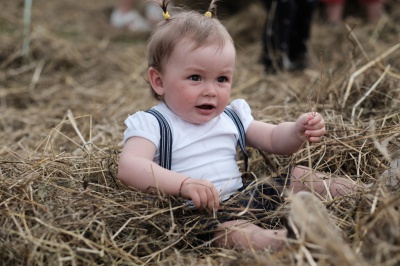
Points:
[[205, 107]]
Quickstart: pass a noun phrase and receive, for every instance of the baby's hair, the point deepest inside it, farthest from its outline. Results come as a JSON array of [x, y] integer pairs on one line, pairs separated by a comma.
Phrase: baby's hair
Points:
[[199, 29]]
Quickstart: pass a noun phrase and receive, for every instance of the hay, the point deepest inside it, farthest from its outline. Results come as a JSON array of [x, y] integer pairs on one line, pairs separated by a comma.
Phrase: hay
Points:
[[61, 126]]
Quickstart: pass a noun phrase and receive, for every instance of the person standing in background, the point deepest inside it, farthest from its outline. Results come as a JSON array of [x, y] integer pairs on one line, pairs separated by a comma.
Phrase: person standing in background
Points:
[[286, 34]]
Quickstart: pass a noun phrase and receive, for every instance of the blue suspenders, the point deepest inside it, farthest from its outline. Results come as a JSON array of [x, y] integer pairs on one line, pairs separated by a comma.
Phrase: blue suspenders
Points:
[[242, 135], [166, 137], [165, 140]]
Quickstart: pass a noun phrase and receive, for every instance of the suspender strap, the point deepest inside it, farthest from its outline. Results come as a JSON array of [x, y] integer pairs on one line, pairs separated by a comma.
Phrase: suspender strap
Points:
[[242, 134], [165, 140], [166, 137]]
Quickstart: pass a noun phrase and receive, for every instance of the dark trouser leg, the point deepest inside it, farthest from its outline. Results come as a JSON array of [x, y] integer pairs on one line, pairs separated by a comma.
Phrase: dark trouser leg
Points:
[[300, 33], [277, 31]]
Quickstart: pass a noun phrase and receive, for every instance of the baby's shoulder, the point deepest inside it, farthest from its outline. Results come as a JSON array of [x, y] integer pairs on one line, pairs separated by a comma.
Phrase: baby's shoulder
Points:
[[243, 110]]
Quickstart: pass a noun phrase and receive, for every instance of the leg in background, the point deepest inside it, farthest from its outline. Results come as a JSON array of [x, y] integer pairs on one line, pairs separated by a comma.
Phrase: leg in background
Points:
[[300, 33], [276, 34], [374, 9], [334, 11]]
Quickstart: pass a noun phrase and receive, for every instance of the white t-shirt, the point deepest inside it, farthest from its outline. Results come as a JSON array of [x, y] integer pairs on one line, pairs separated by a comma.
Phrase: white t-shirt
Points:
[[204, 151]]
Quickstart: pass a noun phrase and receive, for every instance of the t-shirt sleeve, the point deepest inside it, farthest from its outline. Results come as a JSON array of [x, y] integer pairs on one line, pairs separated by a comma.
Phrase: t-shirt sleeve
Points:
[[144, 125], [243, 110]]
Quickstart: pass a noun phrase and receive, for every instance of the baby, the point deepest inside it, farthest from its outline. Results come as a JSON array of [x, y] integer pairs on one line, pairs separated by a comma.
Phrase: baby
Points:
[[186, 145]]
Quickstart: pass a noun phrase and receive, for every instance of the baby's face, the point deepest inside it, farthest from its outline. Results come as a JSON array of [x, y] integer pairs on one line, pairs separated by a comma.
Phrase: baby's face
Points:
[[197, 83]]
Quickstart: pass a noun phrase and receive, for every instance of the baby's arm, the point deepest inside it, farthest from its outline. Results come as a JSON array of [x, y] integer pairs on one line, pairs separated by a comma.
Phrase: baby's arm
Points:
[[137, 169], [287, 137]]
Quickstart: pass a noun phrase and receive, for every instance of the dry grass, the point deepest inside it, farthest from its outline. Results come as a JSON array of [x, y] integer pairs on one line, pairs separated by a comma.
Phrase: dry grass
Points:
[[61, 125]]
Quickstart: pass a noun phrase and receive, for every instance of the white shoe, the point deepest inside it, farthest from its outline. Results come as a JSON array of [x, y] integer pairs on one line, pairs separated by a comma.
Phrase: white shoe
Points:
[[131, 20]]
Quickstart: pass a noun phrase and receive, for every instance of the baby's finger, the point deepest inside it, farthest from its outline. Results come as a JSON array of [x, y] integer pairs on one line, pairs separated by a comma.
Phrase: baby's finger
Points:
[[196, 201], [315, 132], [304, 118], [216, 197], [316, 126], [314, 120], [204, 199], [314, 139], [213, 199]]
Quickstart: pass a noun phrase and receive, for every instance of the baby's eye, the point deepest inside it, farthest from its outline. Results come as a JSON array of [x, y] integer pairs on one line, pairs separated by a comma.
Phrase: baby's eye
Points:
[[194, 77], [222, 79]]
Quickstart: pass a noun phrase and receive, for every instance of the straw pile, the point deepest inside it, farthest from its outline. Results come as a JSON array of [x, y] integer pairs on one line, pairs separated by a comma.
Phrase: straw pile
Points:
[[61, 123]]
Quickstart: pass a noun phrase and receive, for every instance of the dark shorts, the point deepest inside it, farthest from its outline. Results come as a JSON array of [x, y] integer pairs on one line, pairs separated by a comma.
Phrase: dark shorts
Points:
[[255, 202]]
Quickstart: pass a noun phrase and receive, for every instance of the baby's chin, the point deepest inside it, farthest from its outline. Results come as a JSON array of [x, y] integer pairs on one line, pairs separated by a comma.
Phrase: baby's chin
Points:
[[198, 119]]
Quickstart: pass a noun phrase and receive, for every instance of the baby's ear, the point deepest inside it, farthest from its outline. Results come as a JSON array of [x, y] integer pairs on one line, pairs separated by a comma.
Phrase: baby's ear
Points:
[[155, 80]]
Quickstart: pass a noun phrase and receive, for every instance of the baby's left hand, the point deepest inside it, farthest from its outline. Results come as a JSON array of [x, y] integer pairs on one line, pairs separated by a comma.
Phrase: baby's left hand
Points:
[[310, 126]]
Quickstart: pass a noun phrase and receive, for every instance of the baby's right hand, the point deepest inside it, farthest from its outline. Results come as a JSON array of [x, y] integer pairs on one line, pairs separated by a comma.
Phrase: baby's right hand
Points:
[[202, 192]]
